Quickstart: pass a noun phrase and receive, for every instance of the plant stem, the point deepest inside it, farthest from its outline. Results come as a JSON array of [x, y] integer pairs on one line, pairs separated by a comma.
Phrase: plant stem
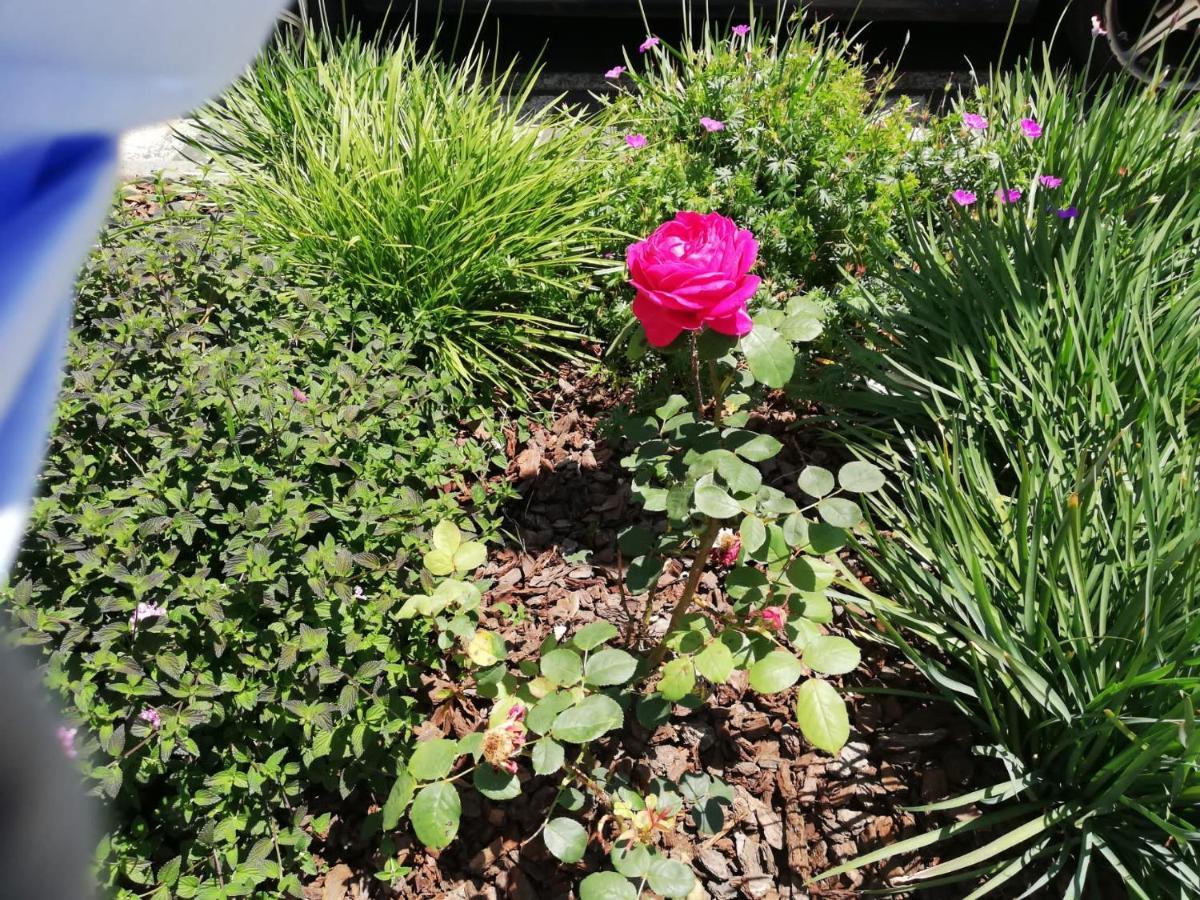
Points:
[[699, 563], [695, 356]]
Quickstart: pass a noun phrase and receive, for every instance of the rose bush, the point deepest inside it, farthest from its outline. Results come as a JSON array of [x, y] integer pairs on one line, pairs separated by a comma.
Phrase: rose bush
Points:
[[693, 272]]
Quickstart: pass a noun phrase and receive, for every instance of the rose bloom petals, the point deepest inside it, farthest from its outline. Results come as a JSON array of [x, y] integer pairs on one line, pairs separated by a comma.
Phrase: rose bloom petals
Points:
[[1030, 128], [635, 141], [649, 42], [775, 617], [1049, 181], [693, 272], [975, 121], [615, 72], [963, 198], [712, 124]]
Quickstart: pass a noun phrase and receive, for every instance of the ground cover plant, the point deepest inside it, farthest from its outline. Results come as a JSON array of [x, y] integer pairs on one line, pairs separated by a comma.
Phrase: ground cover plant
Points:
[[777, 125], [237, 481], [1044, 562], [421, 190], [694, 462]]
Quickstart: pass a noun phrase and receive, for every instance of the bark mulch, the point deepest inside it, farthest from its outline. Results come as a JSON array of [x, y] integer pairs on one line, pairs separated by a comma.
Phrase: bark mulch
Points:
[[795, 811]]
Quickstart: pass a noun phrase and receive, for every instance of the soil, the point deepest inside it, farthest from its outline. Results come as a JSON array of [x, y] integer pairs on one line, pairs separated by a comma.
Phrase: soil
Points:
[[796, 811]]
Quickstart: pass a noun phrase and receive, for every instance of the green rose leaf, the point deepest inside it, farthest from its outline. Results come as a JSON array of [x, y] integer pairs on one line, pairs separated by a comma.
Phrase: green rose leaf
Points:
[[587, 720], [643, 573], [607, 886], [840, 512], [825, 538], [653, 710], [821, 715], [541, 717], [715, 662], [769, 356], [566, 839], [433, 760], [631, 861], [775, 672], [831, 655], [398, 799], [741, 477], [496, 784], [670, 878], [436, 811], [589, 637], [609, 667], [860, 477], [758, 448], [547, 756], [753, 533], [713, 500], [562, 666], [678, 678], [815, 481], [635, 541]]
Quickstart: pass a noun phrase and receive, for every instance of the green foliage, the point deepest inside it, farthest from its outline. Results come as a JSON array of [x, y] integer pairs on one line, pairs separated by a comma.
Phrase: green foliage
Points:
[[252, 463], [421, 189], [1047, 527], [808, 160]]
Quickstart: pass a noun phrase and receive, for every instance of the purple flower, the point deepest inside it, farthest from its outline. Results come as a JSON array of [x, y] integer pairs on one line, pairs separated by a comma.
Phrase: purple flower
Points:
[[975, 121], [1068, 212], [1012, 195], [741, 30], [711, 124], [649, 42], [615, 72], [963, 198], [150, 716], [146, 611], [66, 740], [635, 141], [1050, 181], [1030, 128], [299, 396]]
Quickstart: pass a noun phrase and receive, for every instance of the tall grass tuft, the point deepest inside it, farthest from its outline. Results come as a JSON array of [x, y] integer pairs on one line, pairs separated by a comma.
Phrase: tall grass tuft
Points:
[[1043, 568], [419, 188]]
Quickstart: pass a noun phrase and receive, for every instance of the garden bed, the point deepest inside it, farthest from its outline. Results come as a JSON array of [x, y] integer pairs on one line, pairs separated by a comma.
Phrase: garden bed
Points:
[[795, 812]]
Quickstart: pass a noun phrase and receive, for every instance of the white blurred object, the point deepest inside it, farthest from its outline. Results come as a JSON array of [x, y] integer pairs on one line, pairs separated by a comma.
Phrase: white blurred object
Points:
[[73, 76]]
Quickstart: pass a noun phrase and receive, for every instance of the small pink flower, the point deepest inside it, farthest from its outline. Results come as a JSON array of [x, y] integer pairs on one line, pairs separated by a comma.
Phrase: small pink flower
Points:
[[615, 72], [741, 30], [66, 740], [146, 611], [1050, 181], [1098, 29], [727, 547], [1068, 212], [711, 124], [359, 593], [635, 141], [516, 713], [150, 716], [975, 121], [963, 198], [1031, 129], [649, 42], [1012, 195], [299, 396], [775, 617]]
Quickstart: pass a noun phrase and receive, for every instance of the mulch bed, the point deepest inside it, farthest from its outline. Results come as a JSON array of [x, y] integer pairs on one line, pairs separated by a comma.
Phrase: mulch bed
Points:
[[796, 812]]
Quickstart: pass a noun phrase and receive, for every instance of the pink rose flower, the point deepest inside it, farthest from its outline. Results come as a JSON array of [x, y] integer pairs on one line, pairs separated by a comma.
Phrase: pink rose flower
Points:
[[975, 121], [711, 124], [741, 30], [727, 547], [1030, 128], [635, 141], [615, 72], [963, 198], [649, 42], [693, 272], [775, 617]]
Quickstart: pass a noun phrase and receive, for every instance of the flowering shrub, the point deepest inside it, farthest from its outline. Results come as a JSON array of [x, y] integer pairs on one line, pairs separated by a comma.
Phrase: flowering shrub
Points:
[[219, 551], [775, 559], [779, 131]]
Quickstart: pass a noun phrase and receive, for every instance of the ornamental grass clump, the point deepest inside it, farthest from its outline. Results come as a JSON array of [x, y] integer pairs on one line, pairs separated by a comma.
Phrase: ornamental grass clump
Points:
[[773, 554], [1046, 546], [420, 190]]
